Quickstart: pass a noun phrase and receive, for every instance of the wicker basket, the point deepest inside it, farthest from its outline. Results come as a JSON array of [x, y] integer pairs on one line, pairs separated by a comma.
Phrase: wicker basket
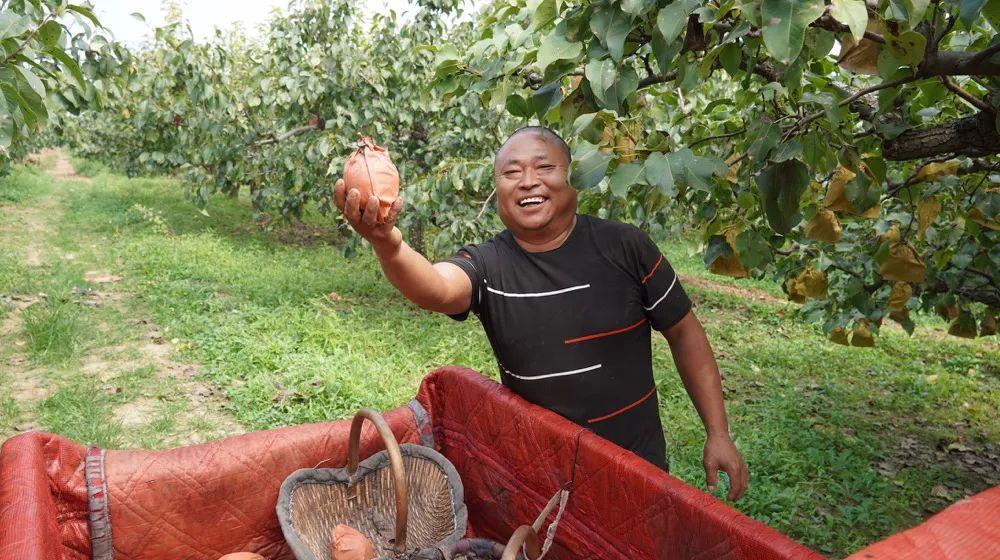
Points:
[[404, 499]]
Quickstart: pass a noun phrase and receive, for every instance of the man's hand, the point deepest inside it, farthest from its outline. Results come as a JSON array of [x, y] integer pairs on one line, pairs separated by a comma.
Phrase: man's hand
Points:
[[721, 454], [363, 217]]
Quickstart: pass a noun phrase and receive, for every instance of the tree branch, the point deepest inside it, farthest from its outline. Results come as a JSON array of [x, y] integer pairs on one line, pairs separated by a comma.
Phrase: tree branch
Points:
[[960, 63], [652, 80], [716, 137], [275, 138], [968, 97], [974, 136]]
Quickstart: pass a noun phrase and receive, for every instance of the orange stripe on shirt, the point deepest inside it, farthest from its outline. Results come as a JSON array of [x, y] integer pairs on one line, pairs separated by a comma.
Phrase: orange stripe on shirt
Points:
[[625, 409], [603, 334], [655, 266]]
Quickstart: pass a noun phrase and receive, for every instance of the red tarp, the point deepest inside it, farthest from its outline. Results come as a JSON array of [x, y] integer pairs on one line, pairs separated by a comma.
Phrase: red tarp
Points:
[[203, 501]]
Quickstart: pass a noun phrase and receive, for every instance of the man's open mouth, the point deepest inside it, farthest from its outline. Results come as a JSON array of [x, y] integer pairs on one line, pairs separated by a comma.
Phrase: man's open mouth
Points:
[[531, 201]]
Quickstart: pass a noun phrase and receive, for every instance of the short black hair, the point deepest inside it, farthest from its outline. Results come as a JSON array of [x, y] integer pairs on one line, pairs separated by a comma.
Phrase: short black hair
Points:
[[546, 134]]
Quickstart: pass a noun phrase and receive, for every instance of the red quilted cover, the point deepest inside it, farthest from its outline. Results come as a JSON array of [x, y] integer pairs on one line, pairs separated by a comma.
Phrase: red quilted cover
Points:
[[191, 503], [966, 530], [513, 456]]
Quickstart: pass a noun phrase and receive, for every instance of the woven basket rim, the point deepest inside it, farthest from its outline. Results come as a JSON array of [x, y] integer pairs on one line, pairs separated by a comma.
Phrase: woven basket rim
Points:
[[366, 467]]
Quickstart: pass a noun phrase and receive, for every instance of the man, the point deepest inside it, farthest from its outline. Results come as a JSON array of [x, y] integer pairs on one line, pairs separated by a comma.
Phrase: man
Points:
[[568, 302]]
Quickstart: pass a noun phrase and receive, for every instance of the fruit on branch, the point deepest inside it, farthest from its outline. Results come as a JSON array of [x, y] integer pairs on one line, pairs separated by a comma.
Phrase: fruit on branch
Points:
[[370, 170], [903, 265]]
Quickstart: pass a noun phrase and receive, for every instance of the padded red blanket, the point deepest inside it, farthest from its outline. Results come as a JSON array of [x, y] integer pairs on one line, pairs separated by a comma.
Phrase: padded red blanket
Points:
[[966, 530], [203, 501]]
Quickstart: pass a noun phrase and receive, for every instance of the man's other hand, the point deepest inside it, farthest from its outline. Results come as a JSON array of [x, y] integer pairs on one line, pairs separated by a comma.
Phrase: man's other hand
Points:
[[363, 217], [721, 454]]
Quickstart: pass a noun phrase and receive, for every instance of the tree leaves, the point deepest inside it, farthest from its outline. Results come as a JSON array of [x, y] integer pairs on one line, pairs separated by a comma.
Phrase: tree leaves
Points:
[[624, 177], [672, 19], [782, 186], [555, 47], [660, 174], [785, 24], [854, 14], [611, 27], [589, 166]]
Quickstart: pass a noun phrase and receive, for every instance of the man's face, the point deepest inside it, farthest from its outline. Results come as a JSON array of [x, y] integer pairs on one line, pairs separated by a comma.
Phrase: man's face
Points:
[[534, 198]]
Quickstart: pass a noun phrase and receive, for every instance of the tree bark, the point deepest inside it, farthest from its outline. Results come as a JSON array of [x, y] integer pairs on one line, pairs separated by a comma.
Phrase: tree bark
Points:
[[973, 136]]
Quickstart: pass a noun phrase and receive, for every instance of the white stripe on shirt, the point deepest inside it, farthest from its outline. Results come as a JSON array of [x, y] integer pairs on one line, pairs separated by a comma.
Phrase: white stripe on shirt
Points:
[[548, 375], [650, 308], [539, 294]]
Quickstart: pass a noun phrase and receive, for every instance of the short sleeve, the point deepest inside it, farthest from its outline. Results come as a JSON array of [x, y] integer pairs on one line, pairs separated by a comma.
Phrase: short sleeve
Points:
[[663, 299], [469, 260]]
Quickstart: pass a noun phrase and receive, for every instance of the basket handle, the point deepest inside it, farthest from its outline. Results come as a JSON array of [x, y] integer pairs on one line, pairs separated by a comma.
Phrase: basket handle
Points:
[[395, 463], [524, 536]]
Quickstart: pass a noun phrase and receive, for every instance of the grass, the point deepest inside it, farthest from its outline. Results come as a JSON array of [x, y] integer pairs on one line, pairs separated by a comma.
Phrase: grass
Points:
[[53, 330], [845, 444]]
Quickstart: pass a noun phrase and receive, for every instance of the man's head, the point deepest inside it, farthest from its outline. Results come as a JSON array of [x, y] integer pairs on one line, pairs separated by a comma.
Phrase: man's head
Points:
[[534, 198]]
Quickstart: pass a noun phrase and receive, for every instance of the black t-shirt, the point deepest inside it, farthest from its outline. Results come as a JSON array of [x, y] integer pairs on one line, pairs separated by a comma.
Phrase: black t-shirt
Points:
[[570, 327]]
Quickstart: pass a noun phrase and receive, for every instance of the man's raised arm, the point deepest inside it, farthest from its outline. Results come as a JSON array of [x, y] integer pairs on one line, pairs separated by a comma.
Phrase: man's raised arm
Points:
[[441, 287]]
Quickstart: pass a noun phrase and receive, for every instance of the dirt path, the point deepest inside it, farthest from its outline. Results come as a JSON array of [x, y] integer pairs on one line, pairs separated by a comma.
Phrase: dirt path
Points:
[[157, 400]]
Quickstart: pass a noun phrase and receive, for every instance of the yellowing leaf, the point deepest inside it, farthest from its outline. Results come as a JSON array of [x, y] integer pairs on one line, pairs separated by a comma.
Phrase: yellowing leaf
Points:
[[862, 335], [946, 312], [903, 265], [824, 227], [936, 170], [900, 294], [927, 212], [734, 162]]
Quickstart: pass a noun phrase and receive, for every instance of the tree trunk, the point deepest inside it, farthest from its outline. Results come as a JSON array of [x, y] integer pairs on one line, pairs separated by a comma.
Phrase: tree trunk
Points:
[[416, 236], [973, 136]]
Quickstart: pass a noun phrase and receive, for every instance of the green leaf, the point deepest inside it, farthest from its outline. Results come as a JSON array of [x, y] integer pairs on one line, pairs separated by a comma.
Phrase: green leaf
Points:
[[992, 13], [518, 106], [785, 23], [543, 12], [139, 16], [637, 7], [854, 14], [768, 135], [628, 82], [862, 192], [717, 247], [730, 57], [700, 169], [624, 177], [969, 10], [753, 249], [589, 166], [12, 24], [915, 11], [49, 33], [36, 85], [555, 47], [602, 75], [611, 26], [673, 18], [908, 47], [70, 64], [85, 12], [789, 150], [659, 174], [547, 97], [782, 186]]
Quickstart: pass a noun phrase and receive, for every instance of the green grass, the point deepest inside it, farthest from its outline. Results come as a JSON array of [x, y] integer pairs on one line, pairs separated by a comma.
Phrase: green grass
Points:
[[53, 329], [814, 420], [23, 184]]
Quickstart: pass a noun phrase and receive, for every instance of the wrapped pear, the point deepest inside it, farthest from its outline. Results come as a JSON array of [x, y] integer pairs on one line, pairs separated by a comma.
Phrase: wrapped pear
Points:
[[370, 170]]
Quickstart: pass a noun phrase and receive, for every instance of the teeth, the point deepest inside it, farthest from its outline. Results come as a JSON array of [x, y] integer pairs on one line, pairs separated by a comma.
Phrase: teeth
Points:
[[532, 199]]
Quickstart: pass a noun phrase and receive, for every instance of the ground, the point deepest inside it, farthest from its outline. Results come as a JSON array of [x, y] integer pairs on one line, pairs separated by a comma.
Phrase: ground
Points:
[[130, 318]]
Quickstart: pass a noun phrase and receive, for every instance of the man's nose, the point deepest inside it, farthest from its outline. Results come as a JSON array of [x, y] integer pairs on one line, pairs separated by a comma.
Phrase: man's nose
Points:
[[529, 179]]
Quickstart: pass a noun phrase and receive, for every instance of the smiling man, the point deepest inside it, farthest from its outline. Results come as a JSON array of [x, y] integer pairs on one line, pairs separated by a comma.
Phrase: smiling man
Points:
[[568, 302]]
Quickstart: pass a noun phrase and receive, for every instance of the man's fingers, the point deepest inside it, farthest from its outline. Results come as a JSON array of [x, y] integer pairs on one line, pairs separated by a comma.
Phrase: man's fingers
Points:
[[339, 196], [370, 215], [353, 209], [394, 210], [711, 475], [739, 478]]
